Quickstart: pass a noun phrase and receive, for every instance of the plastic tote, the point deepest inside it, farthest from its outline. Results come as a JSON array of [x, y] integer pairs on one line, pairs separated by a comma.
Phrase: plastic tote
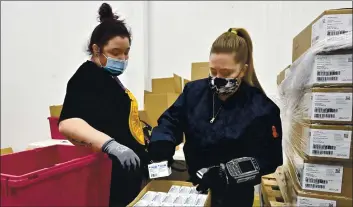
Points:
[[55, 176], [54, 128]]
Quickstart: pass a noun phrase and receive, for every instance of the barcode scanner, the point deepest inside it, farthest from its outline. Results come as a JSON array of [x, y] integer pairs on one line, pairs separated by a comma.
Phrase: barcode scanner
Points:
[[243, 169]]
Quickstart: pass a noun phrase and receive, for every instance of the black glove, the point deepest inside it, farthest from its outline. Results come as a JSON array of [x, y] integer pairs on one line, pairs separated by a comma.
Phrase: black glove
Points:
[[220, 177], [161, 151], [214, 178], [127, 157]]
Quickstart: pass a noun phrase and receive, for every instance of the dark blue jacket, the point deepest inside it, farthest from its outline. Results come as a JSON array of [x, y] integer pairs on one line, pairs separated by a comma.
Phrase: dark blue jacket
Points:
[[248, 125]]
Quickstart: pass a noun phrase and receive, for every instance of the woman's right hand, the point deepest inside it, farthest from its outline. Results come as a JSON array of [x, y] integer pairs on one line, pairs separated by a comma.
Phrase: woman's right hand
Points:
[[161, 151], [126, 156]]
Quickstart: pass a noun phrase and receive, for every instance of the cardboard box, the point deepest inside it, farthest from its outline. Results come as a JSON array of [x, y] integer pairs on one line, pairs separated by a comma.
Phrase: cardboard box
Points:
[[186, 81], [199, 70], [144, 117], [163, 186], [319, 142], [327, 25], [326, 105], [167, 85], [325, 178], [294, 196], [334, 69], [157, 104], [55, 110], [283, 75]]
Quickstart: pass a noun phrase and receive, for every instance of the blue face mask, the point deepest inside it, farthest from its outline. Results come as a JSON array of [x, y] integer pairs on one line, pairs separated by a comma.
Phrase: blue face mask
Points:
[[114, 66]]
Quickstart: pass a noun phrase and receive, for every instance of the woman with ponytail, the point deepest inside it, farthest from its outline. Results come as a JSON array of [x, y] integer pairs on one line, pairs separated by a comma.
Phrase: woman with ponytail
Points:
[[233, 132]]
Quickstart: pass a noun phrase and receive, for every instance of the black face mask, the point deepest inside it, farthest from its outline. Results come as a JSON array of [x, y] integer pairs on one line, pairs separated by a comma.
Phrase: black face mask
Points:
[[223, 86]]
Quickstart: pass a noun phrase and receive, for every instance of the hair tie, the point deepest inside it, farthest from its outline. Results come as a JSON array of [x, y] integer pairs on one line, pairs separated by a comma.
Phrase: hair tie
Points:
[[233, 31]]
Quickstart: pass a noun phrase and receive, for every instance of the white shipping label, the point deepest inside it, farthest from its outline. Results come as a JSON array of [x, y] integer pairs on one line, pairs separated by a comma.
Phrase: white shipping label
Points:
[[331, 106], [330, 143], [324, 178], [160, 169], [333, 69], [314, 202], [331, 27]]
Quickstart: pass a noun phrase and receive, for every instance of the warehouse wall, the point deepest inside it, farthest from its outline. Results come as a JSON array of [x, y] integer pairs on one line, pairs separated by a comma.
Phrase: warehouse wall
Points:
[[43, 43], [186, 31]]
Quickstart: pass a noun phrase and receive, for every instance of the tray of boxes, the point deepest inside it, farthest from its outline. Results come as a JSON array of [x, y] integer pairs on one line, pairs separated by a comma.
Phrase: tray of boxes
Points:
[[170, 193], [316, 95]]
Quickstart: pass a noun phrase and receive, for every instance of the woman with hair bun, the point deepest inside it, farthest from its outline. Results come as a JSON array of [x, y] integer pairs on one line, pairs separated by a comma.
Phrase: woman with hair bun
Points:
[[99, 112]]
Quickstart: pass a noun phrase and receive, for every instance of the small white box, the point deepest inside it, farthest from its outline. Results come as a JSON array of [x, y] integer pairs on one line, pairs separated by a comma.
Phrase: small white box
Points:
[[174, 189], [159, 198], [149, 196], [185, 190], [170, 198], [193, 190], [159, 169], [179, 200], [201, 200], [191, 200]]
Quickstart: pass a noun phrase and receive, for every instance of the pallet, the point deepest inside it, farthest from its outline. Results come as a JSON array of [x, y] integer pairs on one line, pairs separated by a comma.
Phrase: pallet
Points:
[[270, 193]]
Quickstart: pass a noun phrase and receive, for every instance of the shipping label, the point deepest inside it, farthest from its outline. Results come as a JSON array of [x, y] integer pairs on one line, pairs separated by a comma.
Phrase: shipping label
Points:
[[331, 27], [314, 202], [329, 143], [333, 69], [331, 106], [324, 178]]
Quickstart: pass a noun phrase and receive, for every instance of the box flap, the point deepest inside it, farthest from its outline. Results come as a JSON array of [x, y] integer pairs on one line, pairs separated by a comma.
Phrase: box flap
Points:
[[199, 70]]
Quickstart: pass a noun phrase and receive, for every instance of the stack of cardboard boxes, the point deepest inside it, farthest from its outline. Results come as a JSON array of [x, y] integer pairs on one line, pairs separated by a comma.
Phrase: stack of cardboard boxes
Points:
[[165, 91], [317, 93]]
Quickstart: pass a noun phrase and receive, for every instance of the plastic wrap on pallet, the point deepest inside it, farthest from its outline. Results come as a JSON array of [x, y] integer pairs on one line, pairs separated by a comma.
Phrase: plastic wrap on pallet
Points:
[[301, 120], [300, 72], [294, 195], [325, 178], [317, 131]]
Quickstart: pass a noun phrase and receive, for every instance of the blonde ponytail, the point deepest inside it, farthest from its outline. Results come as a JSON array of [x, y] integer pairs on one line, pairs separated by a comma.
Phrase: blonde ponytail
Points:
[[238, 41]]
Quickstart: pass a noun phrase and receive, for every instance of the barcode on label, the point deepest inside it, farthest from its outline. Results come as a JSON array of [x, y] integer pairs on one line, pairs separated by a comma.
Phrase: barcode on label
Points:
[[325, 110], [321, 116], [328, 73], [316, 181], [153, 175], [324, 79], [350, 59], [314, 186], [322, 152], [338, 32], [324, 147]]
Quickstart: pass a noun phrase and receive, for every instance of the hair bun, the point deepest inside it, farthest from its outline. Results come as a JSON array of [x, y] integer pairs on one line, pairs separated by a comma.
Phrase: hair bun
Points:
[[106, 13]]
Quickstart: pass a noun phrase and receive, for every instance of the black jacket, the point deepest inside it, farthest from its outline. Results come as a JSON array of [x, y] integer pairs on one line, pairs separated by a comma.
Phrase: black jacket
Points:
[[248, 125]]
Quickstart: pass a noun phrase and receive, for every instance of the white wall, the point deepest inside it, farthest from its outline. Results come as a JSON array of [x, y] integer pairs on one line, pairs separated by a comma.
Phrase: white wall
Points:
[[182, 32], [43, 43]]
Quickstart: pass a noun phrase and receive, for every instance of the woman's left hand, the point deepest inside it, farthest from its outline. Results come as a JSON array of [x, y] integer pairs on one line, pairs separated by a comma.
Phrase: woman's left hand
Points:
[[214, 178]]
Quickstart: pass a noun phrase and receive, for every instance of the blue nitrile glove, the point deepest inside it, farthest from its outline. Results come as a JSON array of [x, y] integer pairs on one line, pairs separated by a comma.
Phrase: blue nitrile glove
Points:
[[127, 158]]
